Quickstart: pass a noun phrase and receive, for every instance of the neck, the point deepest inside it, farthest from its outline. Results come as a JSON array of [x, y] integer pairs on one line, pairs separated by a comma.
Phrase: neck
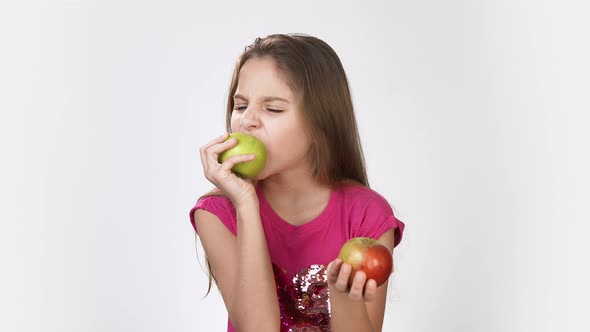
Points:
[[296, 199], [292, 187]]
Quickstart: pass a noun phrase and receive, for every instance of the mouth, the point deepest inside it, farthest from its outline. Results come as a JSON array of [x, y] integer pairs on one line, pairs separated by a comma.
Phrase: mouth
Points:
[[246, 133]]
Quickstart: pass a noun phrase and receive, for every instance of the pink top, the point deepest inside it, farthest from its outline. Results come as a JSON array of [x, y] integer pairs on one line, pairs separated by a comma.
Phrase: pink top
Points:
[[300, 254]]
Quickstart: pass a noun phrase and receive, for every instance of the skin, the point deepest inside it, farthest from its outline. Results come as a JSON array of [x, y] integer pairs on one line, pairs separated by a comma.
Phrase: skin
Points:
[[286, 180], [287, 174]]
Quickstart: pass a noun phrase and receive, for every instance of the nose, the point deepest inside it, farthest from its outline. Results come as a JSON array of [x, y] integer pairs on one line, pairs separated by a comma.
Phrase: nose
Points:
[[250, 119]]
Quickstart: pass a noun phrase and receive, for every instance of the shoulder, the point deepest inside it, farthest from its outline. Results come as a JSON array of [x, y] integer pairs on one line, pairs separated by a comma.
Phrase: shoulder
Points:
[[215, 201], [218, 205], [367, 213], [362, 197]]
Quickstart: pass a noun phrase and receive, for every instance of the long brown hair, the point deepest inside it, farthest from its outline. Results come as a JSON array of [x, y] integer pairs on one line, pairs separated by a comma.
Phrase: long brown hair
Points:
[[316, 76]]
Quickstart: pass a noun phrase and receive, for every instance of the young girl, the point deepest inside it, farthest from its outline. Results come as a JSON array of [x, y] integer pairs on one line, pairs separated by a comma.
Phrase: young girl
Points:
[[272, 242]]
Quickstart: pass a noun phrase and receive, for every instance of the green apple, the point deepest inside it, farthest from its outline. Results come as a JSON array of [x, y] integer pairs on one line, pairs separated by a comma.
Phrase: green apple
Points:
[[247, 144]]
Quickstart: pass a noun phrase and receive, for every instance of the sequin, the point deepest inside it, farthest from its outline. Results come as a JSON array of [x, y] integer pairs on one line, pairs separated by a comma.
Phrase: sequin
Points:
[[304, 299]]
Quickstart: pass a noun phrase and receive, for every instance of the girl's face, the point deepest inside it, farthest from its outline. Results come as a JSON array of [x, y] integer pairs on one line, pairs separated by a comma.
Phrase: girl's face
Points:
[[266, 108]]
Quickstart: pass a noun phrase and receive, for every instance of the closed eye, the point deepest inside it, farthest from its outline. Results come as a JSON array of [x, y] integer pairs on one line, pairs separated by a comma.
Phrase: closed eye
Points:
[[242, 108]]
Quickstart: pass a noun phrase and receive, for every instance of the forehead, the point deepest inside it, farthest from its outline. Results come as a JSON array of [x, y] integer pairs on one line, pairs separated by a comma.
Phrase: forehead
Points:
[[262, 77]]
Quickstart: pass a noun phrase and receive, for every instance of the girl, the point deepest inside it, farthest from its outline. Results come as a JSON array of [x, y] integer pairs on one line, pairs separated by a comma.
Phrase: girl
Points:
[[271, 242]]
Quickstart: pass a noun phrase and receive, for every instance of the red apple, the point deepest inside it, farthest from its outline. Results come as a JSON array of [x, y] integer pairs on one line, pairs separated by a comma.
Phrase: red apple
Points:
[[367, 255]]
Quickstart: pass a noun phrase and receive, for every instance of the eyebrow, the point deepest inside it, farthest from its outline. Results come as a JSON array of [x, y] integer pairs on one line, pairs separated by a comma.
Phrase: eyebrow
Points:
[[265, 98]]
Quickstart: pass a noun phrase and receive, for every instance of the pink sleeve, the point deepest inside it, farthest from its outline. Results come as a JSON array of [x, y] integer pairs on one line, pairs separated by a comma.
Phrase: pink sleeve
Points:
[[377, 219], [221, 207]]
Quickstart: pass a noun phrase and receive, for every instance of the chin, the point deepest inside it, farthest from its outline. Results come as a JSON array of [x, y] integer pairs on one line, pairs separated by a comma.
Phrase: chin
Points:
[[260, 176], [265, 173]]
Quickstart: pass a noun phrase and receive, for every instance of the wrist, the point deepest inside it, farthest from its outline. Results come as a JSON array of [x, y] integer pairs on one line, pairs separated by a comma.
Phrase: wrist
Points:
[[247, 204]]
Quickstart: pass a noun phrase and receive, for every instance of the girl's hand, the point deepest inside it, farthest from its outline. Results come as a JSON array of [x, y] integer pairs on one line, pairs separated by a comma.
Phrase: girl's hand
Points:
[[361, 289], [237, 189]]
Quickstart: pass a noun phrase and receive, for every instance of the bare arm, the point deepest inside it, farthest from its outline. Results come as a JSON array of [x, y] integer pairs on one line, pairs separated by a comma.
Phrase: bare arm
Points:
[[355, 310], [241, 263], [256, 303], [242, 268]]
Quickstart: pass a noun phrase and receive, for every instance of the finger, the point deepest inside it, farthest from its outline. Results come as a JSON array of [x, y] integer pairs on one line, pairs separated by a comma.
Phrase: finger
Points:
[[215, 141], [204, 148], [333, 269], [342, 282], [370, 290], [358, 284], [230, 162], [220, 147], [212, 153]]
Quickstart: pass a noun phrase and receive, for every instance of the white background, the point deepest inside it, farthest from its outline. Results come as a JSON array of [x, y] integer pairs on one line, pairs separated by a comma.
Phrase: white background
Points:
[[473, 116]]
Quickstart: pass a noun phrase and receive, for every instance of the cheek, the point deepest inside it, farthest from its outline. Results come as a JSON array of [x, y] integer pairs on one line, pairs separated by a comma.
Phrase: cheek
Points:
[[234, 123], [290, 148]]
